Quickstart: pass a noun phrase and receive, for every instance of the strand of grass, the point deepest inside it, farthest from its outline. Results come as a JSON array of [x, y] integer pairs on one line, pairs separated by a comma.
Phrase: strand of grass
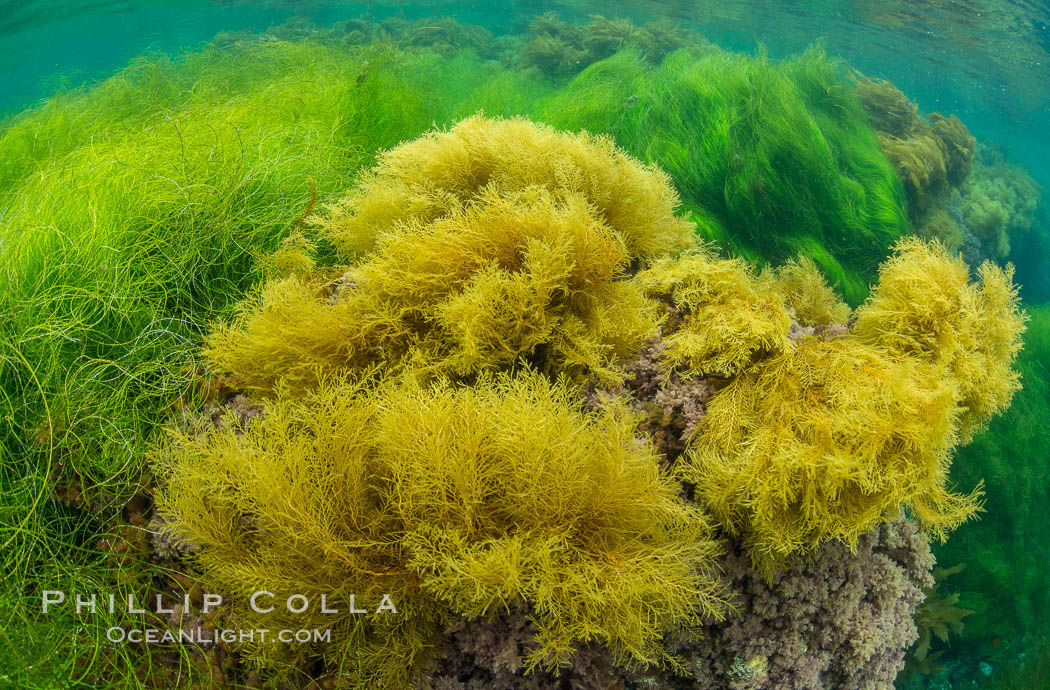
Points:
[[132, 214]]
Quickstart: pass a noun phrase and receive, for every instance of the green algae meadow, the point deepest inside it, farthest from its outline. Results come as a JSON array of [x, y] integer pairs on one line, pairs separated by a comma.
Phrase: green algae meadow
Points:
[[578, 352]]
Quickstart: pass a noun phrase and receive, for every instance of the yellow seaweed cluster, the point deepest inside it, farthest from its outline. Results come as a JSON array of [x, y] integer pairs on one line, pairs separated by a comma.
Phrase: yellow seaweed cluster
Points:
[[442, 172], [925, 308], [423, 435], [805, 292], [722, 318], [723, 321], [825, 439], [494, 245], [455, 502]]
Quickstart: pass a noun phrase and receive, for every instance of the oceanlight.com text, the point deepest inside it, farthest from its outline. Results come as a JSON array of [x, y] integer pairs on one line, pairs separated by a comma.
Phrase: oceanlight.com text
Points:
[[203, 636]]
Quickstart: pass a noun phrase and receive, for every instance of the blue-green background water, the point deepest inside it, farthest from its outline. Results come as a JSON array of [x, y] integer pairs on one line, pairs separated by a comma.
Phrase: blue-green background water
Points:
[[987, 62]]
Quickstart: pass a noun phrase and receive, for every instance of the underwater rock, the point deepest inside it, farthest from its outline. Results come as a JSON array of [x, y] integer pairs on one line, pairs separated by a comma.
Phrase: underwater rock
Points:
[[671, 406], [479, 655], [835, 619]]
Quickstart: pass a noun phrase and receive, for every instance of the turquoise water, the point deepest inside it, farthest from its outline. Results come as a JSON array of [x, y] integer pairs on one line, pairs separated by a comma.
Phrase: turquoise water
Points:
[[986, 62]]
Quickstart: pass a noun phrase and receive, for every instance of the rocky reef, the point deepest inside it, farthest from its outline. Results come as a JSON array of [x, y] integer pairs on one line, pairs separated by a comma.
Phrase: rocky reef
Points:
[[578, 447]]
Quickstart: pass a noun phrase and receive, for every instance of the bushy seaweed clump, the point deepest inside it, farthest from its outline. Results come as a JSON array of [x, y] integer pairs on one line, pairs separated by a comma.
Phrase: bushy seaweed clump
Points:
[[811, 301], [925, 308], [779, 158], [723, 318], [933, 156], [821, 442], [496, 244], [826, 435], [560, 49], [389, 459], [969, 197], [722, 322], [457, 502]]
